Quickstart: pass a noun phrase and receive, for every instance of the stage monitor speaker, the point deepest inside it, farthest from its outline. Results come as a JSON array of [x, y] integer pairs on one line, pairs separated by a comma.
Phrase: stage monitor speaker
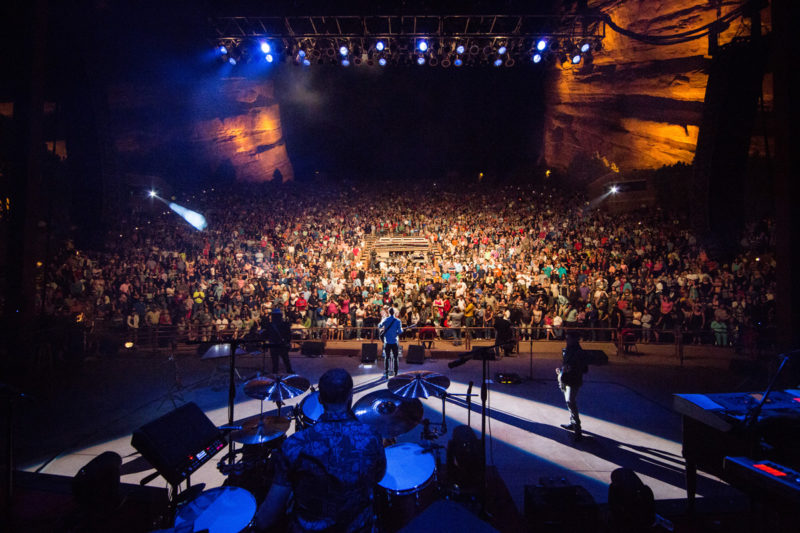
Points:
[[556, 505], [96, 485], [415, 354], [464, 460], [450, 516], [595, 357], [369, 352], [179, 442], [313, 348]]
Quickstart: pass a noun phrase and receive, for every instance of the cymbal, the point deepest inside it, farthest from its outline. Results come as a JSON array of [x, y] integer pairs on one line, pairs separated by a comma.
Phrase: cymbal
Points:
[[389, 414], [419, 384], [275, 387], [259, 429], [222, 349]]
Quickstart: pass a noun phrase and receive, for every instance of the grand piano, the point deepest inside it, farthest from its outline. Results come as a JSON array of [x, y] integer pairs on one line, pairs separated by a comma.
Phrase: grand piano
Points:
[[740, 425]]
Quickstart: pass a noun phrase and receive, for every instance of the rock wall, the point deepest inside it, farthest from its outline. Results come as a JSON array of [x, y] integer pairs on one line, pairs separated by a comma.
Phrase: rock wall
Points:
[[635, 104], [234, 123]]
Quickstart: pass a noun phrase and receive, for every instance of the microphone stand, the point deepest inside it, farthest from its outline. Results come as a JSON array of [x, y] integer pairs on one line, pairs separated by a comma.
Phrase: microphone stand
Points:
[[481, 352], [752, 415]]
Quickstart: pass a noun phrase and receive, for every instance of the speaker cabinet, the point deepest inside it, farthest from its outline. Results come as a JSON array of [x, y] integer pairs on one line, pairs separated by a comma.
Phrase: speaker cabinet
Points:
[[369, 352], [312, 348], [415, 354]]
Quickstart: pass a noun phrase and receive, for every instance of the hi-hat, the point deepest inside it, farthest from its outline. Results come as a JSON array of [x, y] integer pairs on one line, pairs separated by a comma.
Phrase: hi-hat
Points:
[[259, 429], [419, 384], [276, 387], [388, 414]]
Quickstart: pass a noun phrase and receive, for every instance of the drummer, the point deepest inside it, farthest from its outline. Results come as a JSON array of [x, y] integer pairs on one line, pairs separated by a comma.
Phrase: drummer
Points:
[[331, 467]]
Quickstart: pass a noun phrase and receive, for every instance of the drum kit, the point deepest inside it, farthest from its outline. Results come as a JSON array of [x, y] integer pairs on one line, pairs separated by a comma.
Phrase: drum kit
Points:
[[410, 481]]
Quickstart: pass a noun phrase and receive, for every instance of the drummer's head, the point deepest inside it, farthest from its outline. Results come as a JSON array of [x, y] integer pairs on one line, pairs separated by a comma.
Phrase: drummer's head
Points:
[[335, 389]]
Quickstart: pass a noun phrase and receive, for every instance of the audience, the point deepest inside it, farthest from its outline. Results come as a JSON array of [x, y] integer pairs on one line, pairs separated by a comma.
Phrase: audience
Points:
[[546, 261]]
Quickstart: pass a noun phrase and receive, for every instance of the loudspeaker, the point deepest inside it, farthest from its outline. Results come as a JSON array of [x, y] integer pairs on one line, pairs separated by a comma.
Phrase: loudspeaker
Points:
[[313, 348], [595, 357], [556, 505], [179, 442], [464, 460], [415, 354], [450, 516], [631, 502], [96, 485], [369, 352]]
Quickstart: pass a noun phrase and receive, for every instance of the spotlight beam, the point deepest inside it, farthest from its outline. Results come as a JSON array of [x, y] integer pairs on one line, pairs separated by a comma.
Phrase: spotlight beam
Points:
[[195, 219]]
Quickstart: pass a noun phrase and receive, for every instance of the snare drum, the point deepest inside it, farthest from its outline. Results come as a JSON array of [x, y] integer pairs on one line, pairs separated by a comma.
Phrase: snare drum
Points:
[[309, 411], [408, 486], [220, 510]]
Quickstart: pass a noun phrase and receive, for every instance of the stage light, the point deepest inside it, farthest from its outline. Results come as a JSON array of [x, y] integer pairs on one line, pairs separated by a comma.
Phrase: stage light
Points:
[[576, 59], [196, 220], [585, 47], [382, 61], [152, 194], [343, 50], [306, 62], [265, 47], [223, 50], [460, 49], [502, 50], [420, 60], [458, 62], [423, 46], [379, 46], [541, 45], [345, 62], [232, 61], [537, 58], [614, 189], [498, 62], [301, 53], [269, 58]]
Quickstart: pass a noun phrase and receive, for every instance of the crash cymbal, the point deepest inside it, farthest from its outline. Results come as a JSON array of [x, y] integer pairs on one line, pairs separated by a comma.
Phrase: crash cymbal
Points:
[[419, 384], [389, 414], [275, 387], [260, 429], [222, 349]]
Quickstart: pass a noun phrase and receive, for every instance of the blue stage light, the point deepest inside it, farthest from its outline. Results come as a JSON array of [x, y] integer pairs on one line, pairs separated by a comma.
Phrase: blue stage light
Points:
[[422, 45], [541, 45], [301, 53], [502, 50], [585, 47], [197, 220], [460, 49], [458, 62], [537, 58], [343, 50], [382, 61], [498, 62], [223, 50], [379, 46], [420, 60], [232, 61], [265, 47], [345, 62], [306, 62], [269, 58], [576, 59]]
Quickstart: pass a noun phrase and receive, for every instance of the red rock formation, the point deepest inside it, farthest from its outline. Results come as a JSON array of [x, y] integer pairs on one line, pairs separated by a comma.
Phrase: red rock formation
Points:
[[637, 105]]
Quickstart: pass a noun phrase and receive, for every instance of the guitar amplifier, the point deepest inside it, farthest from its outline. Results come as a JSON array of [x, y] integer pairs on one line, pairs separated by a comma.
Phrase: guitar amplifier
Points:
[[179, 442]]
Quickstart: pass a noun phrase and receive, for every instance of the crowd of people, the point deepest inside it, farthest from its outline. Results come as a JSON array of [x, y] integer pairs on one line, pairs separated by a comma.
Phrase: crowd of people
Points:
[[546, 260]]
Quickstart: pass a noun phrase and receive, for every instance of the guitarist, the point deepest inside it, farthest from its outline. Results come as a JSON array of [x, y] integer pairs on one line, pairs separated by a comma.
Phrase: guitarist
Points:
[[390, 329]]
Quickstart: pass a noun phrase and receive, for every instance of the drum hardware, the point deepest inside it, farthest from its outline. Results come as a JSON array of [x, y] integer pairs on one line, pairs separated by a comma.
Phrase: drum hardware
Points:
[[308, 411], [390, 415], [408, 486]]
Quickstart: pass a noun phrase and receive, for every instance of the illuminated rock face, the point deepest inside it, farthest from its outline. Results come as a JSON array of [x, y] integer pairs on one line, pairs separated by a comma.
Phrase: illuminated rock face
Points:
[[251, 141], [234, 123], [637, 105]]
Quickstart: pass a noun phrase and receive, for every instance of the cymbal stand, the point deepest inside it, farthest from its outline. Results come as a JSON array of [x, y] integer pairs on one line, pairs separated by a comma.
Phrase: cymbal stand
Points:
[[176, 388]]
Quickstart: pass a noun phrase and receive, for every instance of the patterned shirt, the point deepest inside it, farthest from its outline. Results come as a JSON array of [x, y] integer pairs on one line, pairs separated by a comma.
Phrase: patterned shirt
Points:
[[332, 468]]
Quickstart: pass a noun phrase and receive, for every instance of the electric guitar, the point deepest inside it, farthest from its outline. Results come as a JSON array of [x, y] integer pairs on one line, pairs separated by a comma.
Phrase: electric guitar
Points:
[[382, 332]]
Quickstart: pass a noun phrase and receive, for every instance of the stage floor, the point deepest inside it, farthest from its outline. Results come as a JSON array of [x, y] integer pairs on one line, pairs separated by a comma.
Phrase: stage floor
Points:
[[626, 407]]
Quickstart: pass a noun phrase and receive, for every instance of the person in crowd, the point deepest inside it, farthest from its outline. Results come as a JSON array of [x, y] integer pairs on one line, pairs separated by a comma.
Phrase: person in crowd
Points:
[[330, 470]]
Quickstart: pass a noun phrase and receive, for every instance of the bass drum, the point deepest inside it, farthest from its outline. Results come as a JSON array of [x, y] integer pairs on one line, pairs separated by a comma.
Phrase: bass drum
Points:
[[220, 510], [408, 487], [308, 411]]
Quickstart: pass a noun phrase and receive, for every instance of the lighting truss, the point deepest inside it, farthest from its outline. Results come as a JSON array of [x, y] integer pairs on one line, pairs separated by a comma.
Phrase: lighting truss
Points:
[[321, 37]]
